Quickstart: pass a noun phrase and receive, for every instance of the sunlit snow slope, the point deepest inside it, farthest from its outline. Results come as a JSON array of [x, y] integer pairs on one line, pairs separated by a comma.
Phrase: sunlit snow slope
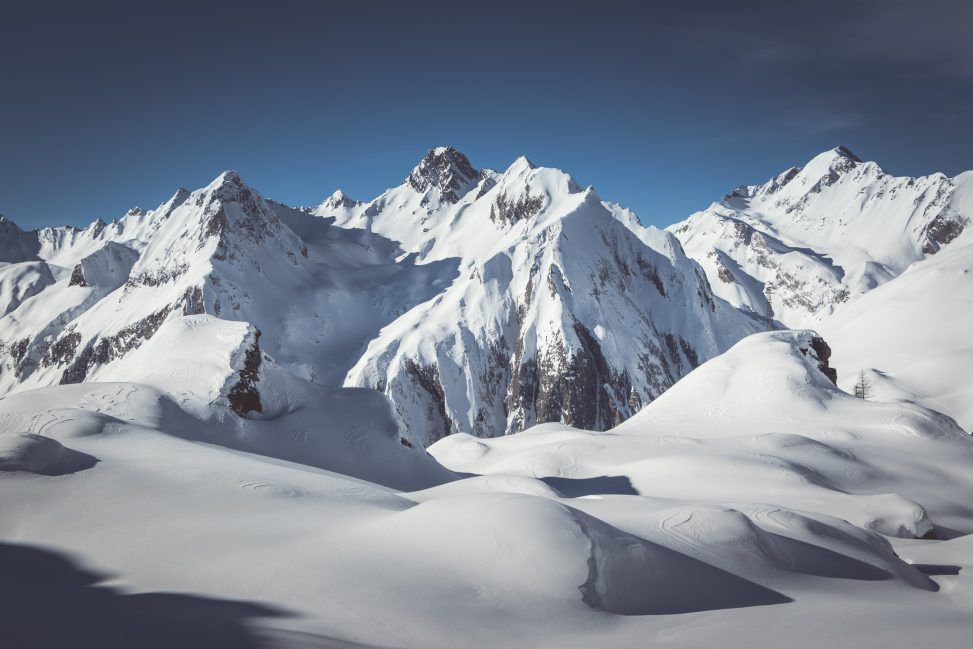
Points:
[[751, 501], [798, 247]]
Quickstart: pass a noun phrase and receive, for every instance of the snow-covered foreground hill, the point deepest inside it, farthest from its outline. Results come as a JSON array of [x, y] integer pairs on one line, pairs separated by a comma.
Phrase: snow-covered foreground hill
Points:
[[753, 501]]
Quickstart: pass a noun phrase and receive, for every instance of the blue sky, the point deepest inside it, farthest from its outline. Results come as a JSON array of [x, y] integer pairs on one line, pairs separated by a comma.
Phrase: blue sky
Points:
[[662, 106]]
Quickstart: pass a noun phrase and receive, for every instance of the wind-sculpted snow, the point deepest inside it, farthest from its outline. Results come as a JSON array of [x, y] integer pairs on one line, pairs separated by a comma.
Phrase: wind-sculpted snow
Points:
[[763, 420], [798, 247], [760, 496]]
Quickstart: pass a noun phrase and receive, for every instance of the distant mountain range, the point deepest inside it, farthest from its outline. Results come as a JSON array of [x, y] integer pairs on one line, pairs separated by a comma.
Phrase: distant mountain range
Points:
[[477, 301]]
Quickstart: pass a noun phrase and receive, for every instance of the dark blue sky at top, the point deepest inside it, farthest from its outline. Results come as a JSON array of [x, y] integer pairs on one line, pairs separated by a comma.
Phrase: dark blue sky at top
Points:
[[662, 106]]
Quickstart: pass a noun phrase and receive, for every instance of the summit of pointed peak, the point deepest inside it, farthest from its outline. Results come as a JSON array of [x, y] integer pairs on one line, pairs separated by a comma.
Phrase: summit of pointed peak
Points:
[[228, 177], [840, 158], [447, 169], [831, 165], [339, 199], [523, 161], [8, 225], [228, 187], [844, 152]]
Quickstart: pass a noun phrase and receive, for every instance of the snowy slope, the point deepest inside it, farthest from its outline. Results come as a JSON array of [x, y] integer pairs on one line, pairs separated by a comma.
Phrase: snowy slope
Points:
[[751, 502], [99, 293], [799, 246], [564, 308], [761, 421], [477, 301], [914, 335], [201, 477]]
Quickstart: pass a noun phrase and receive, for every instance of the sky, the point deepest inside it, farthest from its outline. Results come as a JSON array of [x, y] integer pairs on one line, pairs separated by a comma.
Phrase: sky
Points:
[[663, 106]]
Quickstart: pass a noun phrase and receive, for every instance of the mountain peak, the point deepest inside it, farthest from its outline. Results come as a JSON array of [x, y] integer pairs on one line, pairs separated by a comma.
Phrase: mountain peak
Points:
[[844, 152], [228, 178], [523, 162], [339, 199], [446, 169], [831, 164]]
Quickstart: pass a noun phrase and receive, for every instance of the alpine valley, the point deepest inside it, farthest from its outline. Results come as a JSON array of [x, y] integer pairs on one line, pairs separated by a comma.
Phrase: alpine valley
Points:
[[491, 407]]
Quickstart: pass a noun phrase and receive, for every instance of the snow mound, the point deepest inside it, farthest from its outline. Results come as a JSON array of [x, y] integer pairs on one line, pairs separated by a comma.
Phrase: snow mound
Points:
[[718, 437], [20, 281], [33, 453]]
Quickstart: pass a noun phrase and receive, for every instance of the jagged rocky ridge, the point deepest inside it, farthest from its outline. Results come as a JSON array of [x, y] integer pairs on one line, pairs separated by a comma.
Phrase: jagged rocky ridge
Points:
[[565, 308], [525, 299], [797, 247], [477, 301]]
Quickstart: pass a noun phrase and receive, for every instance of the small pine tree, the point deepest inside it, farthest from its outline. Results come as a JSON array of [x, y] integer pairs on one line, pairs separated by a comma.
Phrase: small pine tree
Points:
[[863, 387]]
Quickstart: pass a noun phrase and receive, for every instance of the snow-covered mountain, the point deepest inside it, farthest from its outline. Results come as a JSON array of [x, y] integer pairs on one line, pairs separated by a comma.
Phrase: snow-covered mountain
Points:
[[206, 420], [92, 297], [564, 308], [476, 301], [806, 242]]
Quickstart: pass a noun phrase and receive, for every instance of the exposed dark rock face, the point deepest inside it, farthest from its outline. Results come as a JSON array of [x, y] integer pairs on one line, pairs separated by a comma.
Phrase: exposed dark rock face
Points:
[[823, 352], [579, 389], [192, 301], [940, 231], [216, 223], [426, 378], [158, 276], [244, 397], [19, 349], [486, 184], [523, 389], [17, 245], [505, 210], [847, 153], [689, 352], [77, 277], [447, 169], [62, 350], [651, 273], [105, 350], [494, 380]]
